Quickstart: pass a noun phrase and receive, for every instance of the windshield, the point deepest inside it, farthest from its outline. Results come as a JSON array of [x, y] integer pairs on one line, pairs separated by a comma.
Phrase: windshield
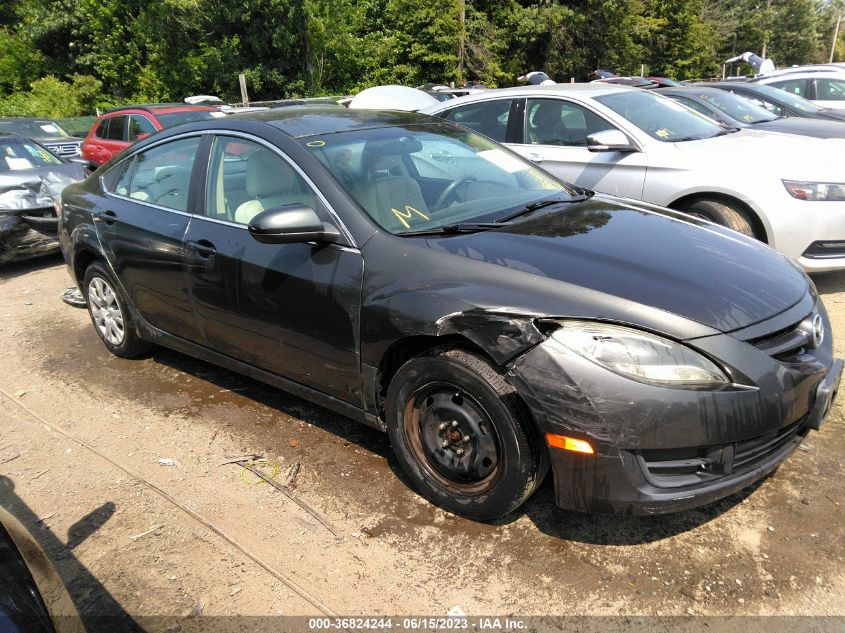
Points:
[[660, 117], [737, 107], [791, 100], [428, 176], [34, 129], [17, 154], [187, 116]]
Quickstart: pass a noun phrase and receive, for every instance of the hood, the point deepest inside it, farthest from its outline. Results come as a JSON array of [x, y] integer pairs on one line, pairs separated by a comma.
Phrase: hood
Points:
[[818, 128], [782, 156], [833, 113], [653, 257]]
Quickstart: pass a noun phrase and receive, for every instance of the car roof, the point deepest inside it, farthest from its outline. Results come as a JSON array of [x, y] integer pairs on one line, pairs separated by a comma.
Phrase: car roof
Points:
[[313, 119], [801, 74], [687, 89], [769, 91], [162, 108], [588, 90]]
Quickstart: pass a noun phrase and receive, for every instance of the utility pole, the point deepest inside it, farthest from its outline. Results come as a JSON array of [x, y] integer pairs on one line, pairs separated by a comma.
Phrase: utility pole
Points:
[[835, 36], [767, 26], [461, 43]]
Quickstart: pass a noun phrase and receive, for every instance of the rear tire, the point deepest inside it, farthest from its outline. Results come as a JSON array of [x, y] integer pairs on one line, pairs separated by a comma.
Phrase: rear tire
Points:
[[721, 213], [108, 311], [462, 435]]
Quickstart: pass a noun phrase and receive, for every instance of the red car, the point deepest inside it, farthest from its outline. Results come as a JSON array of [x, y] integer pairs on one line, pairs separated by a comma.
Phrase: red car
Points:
[[117, 129]]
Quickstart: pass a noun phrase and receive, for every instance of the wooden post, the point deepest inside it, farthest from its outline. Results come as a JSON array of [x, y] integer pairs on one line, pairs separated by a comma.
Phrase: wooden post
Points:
[[461, 42], [244, 95], [835, 36]]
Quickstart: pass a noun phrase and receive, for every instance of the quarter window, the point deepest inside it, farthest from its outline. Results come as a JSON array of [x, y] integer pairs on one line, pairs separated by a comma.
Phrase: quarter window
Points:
[[161, 174], [246, 178], [489, 118], [557, 122]]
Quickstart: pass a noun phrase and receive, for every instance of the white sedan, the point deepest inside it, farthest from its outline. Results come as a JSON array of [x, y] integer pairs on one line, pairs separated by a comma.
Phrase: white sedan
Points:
[[787, 191], [825, 88]]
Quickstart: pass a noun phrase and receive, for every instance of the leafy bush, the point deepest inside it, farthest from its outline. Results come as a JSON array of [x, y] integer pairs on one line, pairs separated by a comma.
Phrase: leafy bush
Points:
[[50, 97]]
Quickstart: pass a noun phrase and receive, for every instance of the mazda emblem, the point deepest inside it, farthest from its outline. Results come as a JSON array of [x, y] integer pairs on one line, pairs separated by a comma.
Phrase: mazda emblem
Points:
[[818, 330]]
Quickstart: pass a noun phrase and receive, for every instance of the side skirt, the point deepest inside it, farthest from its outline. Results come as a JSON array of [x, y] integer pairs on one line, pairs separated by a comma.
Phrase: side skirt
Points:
[[154, 335]]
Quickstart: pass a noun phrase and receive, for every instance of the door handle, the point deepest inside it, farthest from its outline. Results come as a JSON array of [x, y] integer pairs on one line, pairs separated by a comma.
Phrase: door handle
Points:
[[534, 158], [203, 248], [109, 217]]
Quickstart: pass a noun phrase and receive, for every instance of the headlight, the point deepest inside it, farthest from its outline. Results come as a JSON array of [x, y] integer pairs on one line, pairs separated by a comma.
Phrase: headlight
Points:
[[815, 190], [639, 355]]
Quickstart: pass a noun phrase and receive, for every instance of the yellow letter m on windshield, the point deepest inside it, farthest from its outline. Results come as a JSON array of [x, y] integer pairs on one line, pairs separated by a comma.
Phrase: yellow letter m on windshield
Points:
[[409, 213]]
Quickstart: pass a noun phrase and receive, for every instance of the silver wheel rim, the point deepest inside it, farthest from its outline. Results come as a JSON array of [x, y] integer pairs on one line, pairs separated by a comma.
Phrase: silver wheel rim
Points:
[[105, 310]]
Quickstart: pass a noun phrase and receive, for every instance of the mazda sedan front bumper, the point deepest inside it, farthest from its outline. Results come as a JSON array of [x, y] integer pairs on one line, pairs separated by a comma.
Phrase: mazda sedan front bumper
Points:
[[661, 449]]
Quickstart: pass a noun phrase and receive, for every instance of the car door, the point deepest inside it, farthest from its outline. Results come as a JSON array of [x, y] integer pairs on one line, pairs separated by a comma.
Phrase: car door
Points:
[[554, 132], [290, 309], [141, 225], [94, 148]]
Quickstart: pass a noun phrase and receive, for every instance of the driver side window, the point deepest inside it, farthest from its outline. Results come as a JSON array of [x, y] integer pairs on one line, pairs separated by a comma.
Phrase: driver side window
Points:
[[558, 122], [162, 174]]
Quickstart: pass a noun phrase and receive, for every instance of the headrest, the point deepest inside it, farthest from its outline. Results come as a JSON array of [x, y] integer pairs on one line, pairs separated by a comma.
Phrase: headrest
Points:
[[547, 113], [267, 174], [381, 154]]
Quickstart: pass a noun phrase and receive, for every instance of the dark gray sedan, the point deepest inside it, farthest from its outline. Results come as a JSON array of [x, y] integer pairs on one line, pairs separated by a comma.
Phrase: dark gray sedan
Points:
[[732, 110]]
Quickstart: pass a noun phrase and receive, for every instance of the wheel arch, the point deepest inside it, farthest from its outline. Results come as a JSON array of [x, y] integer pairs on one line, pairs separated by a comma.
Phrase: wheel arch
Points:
[[760, 230]]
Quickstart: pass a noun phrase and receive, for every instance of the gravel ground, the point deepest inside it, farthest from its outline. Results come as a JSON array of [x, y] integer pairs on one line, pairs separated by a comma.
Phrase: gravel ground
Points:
[[83, 435]]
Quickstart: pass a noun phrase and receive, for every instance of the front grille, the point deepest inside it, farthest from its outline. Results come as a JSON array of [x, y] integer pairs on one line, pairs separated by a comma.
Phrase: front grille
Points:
[[784, 344], [677, 468], [64, 149]]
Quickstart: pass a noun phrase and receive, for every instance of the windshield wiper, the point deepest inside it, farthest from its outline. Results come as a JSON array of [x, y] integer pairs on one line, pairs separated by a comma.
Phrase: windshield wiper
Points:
[[534, 206], [453, 229]]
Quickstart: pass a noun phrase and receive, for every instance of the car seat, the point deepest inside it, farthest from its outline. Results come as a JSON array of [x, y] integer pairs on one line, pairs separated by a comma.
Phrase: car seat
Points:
[[385, 186], [270, 182]]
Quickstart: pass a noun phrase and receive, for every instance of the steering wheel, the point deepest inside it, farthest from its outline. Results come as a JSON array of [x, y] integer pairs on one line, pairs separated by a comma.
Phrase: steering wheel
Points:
[[451, 189]]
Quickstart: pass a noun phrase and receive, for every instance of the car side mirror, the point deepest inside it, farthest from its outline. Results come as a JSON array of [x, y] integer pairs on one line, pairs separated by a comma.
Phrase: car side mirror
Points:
[[610, 141], [290, 224]]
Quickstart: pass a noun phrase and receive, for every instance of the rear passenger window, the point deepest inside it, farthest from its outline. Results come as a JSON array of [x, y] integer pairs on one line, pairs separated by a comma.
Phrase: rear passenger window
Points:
[[162, 174], [489, 118], [116, 125], [102, 129], [246, 178]]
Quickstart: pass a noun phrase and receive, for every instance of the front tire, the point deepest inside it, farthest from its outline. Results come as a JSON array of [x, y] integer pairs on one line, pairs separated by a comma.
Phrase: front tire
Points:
[[462, 435], [721, 213], [109, 314]]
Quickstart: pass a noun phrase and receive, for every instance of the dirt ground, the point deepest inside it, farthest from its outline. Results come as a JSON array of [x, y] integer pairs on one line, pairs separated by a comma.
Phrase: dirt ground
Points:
[[133, 537]]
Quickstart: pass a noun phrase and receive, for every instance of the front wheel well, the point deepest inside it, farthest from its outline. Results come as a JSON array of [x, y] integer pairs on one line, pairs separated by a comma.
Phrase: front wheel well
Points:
[[405, 349], [759, 229]]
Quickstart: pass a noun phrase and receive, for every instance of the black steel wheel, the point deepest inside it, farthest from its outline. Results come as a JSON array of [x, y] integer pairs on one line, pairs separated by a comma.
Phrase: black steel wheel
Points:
[[462, 435]]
